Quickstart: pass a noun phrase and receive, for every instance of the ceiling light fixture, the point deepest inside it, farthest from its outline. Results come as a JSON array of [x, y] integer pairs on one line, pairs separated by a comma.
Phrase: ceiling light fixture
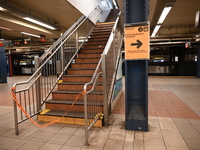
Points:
[[164, 14], [30, 34], [155, 30], [39, 23], [6, 28], [2, 9]]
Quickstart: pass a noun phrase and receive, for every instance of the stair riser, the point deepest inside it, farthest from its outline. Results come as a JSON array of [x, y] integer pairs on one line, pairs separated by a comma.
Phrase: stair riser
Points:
[[93, 39], [92, 50], [102, 29], [79, 79], [94, 46], [75, 108], [87, 60], [100, 33], [73, 96], [75, 87], [96, 42], [81, 66], [80, 72], [88, 55]]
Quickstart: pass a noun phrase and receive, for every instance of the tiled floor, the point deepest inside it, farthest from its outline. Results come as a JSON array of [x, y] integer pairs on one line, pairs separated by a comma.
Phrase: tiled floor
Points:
[[174, 123]]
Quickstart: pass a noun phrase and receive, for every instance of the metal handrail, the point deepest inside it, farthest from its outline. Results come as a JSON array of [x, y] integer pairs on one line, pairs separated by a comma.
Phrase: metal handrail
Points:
[[79, 22], [95, 77], [38, 85]]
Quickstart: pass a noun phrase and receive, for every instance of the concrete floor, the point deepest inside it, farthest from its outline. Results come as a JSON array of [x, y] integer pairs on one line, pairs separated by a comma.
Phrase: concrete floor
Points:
[[174, 122]]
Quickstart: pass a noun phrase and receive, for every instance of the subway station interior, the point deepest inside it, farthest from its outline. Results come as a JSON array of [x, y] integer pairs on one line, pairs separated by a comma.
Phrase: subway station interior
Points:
[[100, 75]]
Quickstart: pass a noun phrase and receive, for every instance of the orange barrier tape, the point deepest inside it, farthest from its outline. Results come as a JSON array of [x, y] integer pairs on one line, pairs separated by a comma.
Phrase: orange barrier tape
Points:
[[20, 106]]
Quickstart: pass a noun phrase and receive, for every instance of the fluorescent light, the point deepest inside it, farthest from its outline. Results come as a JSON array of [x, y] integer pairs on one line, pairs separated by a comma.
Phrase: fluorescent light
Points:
[[39, 23], [164, 15], [6, 28], [2, 9], [155, 30], [30, 34]]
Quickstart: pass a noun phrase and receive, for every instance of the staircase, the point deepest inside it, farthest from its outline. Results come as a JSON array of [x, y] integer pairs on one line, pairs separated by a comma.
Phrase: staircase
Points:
[[81, 72]]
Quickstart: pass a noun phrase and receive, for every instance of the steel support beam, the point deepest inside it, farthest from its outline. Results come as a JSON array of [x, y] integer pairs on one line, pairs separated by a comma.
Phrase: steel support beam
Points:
[[198, 60], [136, 73]]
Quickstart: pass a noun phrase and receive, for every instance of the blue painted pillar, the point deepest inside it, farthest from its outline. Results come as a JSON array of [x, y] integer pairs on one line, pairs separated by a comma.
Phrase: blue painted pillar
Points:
[[136, 73], [198, 60], [3, 67]]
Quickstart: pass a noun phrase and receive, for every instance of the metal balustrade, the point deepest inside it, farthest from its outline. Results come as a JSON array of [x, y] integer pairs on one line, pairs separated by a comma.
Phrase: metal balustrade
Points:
[[50, 68], [106, 69]]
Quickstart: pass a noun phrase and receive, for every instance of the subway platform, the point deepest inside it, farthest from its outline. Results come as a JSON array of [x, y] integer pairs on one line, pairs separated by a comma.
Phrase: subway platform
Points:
[[174, 122]]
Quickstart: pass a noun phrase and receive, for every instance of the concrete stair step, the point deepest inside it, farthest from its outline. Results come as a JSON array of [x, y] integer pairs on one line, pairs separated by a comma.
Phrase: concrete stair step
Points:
[[80, 71], [70, 95], [64, 105], [71, 118], [84, 65], [87, 60], [75, 86], [78, 78], [85, 55]]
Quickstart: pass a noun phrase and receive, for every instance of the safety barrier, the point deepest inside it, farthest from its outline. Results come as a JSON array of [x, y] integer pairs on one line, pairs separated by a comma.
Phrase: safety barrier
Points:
[[106, 69], [50, 68]]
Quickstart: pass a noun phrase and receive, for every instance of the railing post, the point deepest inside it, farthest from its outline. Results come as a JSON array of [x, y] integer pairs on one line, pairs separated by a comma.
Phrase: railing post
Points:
[[105, 96], [38, 88], [62, 57], [86, 119], [77, 40], [15, 115]]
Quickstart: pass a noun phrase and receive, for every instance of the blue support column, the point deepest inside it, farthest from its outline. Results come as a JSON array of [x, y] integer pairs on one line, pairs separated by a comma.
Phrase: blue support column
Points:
[[3, 66], [136, 74], [198, 61]]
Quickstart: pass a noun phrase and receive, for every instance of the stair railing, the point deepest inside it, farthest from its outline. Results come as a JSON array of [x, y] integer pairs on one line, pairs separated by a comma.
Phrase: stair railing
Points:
[[103, 80], [50, 68]]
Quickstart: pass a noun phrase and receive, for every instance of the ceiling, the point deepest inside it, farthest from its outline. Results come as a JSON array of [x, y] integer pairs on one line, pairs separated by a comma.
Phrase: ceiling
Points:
[[179, 23]]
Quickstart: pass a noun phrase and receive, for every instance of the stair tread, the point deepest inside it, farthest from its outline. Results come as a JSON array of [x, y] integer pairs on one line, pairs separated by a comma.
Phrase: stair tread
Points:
[[88, 58], [73, 92], [61, 113], [82, 69], [72, 83], [78, 102]]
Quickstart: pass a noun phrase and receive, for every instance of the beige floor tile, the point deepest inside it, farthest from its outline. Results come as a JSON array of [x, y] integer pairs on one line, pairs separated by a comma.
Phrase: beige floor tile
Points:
[[3, 140], [193, 143], [31, 145], [181, 121], [113, 144], [13, 144], [68, 130], [97, 142], [153, 131], [154, 147], [128, 146], [50, 146], [43, 136], [175, 142], [167, 133], [129, 136], [67, 147], [188, 131], [174, 148], [138, 146], [101, 132], [153, 140], [86, 148], [59, 138], [76, 141]]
